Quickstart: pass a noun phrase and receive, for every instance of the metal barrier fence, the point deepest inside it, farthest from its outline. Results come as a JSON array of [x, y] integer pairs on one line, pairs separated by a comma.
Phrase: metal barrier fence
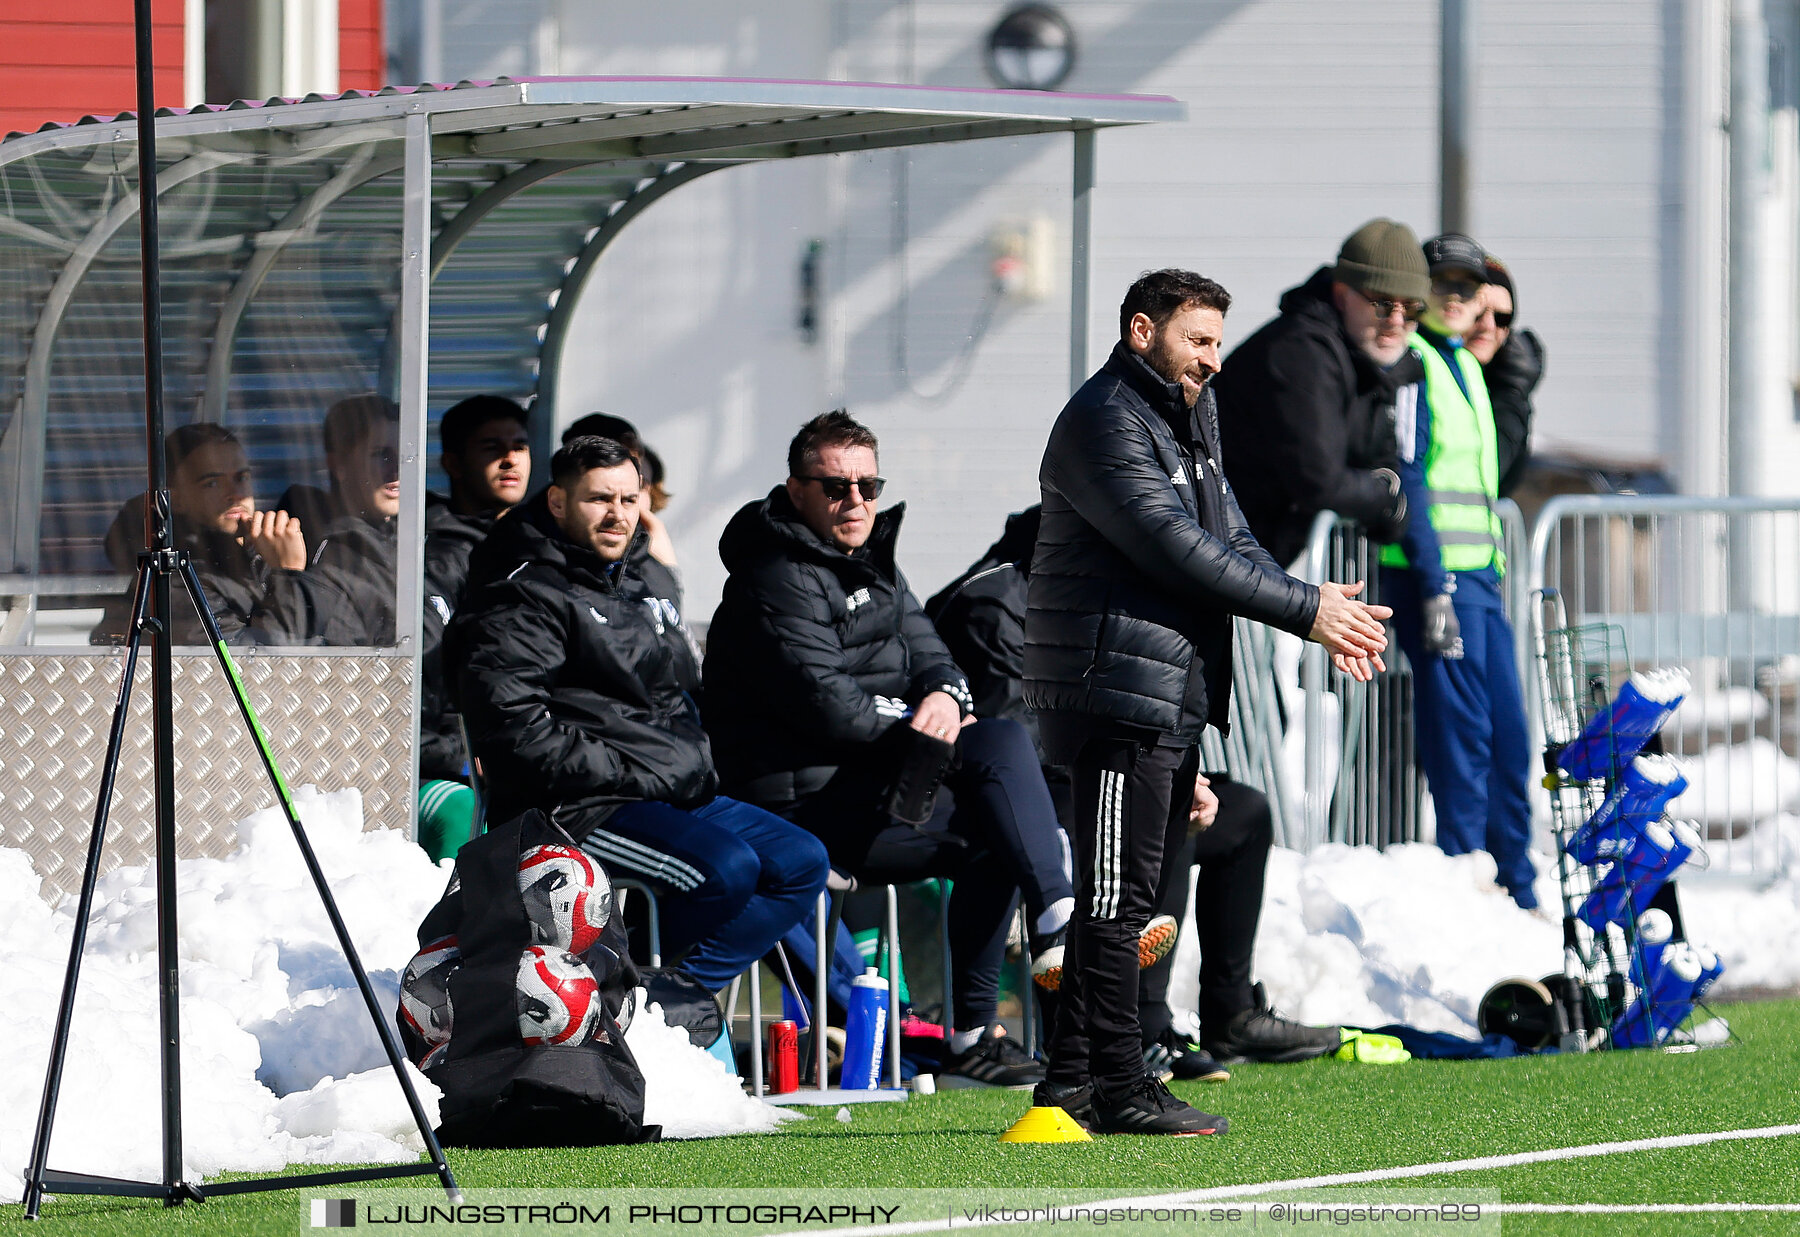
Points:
[[1712, 585], [1361, 780]]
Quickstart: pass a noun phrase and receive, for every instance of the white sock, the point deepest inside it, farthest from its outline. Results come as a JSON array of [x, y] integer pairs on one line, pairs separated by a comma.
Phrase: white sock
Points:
[[1055, 916], [962, 1041]]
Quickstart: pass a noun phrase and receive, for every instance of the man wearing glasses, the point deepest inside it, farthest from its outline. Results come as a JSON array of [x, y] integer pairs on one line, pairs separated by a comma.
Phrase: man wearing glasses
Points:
[[1306, 404], [825, 681], [1443, 581]]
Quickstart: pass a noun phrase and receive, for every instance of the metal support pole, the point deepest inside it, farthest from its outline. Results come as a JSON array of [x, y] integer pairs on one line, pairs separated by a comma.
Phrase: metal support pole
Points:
[[1747, 252], [1081, 230], [1456, 109], [756, 1049]]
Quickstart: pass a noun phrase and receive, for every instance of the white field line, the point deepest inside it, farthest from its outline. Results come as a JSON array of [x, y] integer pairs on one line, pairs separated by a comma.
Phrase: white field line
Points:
[[1598, 1209], [1440, 1168]]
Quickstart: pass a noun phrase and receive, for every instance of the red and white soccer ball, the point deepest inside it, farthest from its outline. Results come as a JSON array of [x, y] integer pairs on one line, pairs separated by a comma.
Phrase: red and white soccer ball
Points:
[[567, 897], [425, 992], [559, 1002]]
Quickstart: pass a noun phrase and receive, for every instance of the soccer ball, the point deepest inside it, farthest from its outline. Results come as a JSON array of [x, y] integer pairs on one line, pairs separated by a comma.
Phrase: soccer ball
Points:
[[425, 990], [559, 1002], [567, 897]]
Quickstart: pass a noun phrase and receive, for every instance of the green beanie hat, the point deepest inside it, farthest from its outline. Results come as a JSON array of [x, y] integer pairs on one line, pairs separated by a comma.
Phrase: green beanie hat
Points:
[[1383, 258]]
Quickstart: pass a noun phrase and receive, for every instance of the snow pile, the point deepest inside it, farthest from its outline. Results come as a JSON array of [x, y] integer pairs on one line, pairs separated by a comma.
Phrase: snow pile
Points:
[[1359, 937], [280, 1061], [1730, 786]]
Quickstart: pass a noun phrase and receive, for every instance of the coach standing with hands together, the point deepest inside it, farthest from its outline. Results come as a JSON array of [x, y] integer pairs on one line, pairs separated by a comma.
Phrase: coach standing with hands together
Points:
[[1142, 559]]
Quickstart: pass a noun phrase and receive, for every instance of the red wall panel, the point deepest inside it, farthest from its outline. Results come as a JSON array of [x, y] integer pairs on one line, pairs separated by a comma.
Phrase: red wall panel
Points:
[[64, 59], [61, 60]]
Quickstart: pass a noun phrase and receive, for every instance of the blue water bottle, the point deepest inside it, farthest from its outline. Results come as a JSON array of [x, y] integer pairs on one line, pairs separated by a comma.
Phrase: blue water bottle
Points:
[[1618, 732], [1643, 791], [865, 1031], [1625, 890]]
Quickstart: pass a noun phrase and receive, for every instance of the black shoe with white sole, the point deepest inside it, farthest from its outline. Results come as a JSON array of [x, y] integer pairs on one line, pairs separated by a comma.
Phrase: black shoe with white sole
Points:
[[998, 1060]]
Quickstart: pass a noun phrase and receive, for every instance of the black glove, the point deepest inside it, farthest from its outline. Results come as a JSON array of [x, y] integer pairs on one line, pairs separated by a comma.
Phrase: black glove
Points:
[[1391, 526], [1443, 634]]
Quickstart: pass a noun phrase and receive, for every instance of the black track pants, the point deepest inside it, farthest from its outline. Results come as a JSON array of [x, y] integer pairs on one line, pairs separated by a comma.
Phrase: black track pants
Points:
[[1131, 807], [1233, 855]]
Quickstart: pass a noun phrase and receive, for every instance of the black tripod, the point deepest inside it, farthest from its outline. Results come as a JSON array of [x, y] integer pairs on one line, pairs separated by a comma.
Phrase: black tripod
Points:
[[151, 614]]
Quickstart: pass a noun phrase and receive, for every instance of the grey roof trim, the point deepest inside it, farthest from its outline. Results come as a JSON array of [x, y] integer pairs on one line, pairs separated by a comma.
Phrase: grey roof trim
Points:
[[483, 106]]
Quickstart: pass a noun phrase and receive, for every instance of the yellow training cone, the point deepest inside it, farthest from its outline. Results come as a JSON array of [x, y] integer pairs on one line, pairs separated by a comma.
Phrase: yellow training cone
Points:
[[1046, 1125]]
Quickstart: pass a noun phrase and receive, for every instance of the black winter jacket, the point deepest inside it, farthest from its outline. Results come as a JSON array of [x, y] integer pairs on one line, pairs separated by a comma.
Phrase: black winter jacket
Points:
[[1305, 417], [450, 538], [813, 654], [252, 602], [574, 685], [355, 558], [1511, 377], [981, 617], [1142, 558]]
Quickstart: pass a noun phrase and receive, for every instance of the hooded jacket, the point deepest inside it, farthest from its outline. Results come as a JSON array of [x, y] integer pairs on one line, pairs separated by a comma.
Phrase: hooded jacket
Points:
[[450, 538], [1511, 377], [1142, 560], [981, 617], [574, 684], [252, 602], [1305, 417], [813, 653]]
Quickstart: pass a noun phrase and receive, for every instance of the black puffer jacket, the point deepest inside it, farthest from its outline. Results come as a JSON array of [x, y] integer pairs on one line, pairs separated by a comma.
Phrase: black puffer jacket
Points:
[[1512, 376], [1142, 558], [574, 686], [981, 617], [1305, 417], [813, 653], [354, 558], [450, 538], [252, 602]]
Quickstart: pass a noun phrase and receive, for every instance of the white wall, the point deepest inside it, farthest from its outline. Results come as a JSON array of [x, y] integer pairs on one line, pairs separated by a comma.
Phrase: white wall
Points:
[[1596, 154]]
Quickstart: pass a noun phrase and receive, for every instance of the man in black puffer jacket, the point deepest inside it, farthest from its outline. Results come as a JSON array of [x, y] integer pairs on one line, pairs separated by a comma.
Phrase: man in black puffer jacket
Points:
[[1306, 404], [823, 676], [1142, 560], [577, 695]]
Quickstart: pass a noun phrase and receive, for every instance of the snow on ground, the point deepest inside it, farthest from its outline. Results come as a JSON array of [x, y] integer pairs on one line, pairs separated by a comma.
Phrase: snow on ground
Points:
[[1359, 937], [280, 1061], [281, 1065]]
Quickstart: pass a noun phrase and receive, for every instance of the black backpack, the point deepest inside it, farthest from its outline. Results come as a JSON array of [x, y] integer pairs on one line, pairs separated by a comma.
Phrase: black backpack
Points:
[[498, 1090]]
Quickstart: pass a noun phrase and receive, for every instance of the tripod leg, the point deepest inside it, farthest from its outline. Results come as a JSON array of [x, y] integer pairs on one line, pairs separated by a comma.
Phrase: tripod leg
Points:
[[65, 1010], [383, 1026]]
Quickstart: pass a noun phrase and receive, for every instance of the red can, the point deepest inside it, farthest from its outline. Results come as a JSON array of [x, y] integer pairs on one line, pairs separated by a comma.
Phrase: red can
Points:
[[784, 1057]]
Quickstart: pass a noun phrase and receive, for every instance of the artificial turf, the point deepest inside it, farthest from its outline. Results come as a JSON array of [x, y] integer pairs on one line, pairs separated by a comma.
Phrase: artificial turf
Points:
[[1322, 1117]]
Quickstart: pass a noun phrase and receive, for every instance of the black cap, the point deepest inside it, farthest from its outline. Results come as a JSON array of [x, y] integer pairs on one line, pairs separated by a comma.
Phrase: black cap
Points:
[[1455, 252]]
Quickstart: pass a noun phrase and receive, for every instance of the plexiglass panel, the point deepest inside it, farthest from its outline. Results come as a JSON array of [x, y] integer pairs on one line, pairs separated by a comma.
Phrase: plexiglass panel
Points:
[[281, 277]]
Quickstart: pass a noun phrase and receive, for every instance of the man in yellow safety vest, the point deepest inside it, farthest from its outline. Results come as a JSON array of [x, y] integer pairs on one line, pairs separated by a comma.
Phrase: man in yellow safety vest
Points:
[[1443, 581]]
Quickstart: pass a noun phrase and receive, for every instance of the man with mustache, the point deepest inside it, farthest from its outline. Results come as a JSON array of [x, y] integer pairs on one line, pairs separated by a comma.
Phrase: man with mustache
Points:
[[1142, 559], [1306, 404]]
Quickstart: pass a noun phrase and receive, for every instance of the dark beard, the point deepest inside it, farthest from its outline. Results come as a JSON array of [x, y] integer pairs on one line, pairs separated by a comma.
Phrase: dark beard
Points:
[[1169, 370]]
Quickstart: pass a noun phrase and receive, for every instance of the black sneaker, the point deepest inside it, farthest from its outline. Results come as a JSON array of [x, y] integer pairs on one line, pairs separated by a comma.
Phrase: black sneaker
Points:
[[1078, 1102], [998, 1060], [1261, 1034], [1148, 1108], [1172, 1055]]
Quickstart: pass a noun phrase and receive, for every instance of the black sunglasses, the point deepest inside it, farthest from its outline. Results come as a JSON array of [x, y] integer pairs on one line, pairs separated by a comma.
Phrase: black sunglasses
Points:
[[837, 489], [1385, 308]]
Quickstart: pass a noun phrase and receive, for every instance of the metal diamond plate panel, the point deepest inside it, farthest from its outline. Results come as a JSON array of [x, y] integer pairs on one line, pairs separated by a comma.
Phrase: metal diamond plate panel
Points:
[[333, 721]]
